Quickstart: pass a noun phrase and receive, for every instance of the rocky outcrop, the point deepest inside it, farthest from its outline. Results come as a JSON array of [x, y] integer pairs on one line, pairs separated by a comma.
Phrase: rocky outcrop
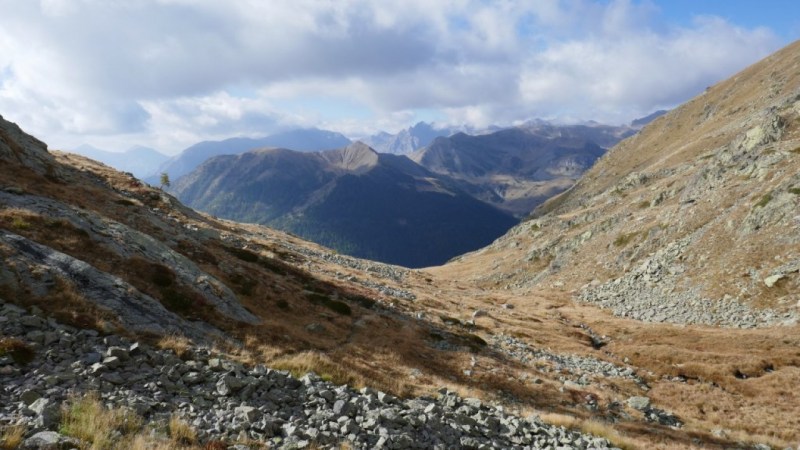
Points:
[[37, 268], [127, 242], [18, 147]]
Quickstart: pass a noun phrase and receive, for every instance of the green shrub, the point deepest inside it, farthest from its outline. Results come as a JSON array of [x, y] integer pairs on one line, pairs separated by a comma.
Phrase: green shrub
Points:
[[339, 307], [624, 239], [272, 266], [20, 224], [764, 200], [162, 276], [475, 342], [242, 284], [794, 190]]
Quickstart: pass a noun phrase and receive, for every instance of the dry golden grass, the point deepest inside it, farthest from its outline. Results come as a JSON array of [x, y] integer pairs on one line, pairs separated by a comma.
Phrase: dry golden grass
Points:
[[591, 426], [11, 437], [87, 419], [560, 420], [604, 430], [179, 345], [181, 432], [309, 361]]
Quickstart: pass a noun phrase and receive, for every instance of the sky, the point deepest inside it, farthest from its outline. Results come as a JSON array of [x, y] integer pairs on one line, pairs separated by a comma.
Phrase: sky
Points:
[[170, 73]]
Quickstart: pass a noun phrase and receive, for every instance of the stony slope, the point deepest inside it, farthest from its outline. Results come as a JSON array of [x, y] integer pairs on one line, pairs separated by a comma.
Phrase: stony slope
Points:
[[222, 398], [370, 205], [693, 220], [518, 168]]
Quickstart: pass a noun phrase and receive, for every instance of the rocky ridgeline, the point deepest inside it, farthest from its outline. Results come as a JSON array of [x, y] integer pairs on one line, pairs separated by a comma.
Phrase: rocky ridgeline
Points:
[[225, 400]]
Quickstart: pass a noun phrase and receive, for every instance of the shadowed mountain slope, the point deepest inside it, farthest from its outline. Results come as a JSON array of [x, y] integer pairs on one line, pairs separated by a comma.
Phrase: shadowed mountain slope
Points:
[[370, 205]]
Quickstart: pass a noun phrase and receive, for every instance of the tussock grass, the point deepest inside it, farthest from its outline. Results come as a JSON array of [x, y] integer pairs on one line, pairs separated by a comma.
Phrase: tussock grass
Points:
[[590, 426], [11, 437], [606, 431], [19, 223], [300, 364], [181, 432], [180, 345], [87, 419], [560, 420]]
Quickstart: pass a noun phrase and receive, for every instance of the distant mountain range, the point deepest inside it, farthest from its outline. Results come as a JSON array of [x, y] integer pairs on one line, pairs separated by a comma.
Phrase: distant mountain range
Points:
[[407, 140], [371, 205], [518, 168], [140, 161], [311, 139], [456, 194]]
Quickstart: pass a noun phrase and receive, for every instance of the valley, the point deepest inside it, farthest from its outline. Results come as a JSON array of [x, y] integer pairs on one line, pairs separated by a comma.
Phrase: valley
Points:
[[652, 304]]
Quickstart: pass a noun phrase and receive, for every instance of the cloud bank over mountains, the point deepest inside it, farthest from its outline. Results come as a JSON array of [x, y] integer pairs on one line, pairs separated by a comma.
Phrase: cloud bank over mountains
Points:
[[167, 73]]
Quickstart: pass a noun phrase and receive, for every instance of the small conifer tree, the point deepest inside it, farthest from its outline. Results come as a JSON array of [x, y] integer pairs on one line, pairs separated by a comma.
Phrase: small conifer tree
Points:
[[164, 180]]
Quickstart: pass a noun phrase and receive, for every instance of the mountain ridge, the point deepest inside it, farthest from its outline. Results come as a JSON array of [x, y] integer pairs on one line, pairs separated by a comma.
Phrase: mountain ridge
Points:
[[517, 168], [310, 139], [368, 204]]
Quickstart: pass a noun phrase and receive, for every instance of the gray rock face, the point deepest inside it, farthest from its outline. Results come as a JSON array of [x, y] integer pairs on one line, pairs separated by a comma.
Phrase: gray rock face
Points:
[[137, 311], [127, 242], [16, 146], [226, 401]]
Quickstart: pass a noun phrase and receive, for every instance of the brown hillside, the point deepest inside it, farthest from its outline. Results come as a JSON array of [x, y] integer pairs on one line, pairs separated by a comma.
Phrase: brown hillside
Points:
[[697, 211]]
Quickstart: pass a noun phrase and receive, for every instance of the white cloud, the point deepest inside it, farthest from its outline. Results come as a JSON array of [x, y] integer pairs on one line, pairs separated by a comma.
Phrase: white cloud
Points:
[[165, 72]]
